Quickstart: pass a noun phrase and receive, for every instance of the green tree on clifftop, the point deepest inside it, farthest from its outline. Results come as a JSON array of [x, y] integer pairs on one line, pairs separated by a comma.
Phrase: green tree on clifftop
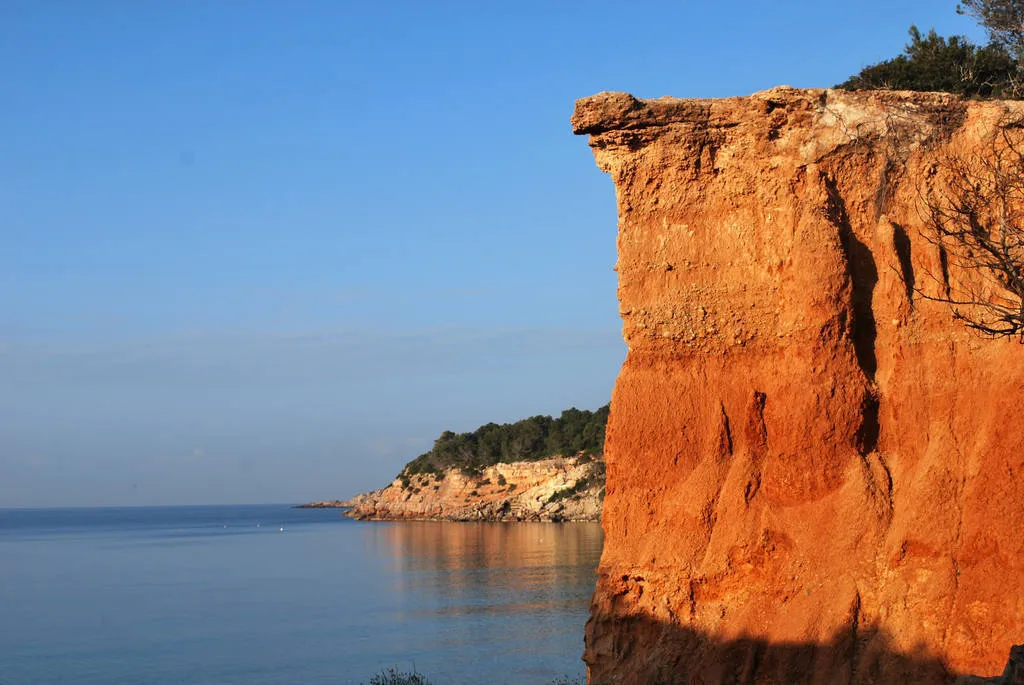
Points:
[[538, 437], [1003, 20], [952, 65]]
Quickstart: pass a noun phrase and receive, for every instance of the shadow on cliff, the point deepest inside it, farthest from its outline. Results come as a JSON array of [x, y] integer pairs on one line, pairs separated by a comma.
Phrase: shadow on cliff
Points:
[[642, 651], [863, 273]]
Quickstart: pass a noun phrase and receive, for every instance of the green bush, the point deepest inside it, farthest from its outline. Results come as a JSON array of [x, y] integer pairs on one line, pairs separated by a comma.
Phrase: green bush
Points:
[[393, 676], [568, 493], [595, 478], [950, 65], [574, 432]]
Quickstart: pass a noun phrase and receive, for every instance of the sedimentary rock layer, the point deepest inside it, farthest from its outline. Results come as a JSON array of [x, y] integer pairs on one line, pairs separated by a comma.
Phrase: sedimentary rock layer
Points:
[[557, 489], [815, 474]]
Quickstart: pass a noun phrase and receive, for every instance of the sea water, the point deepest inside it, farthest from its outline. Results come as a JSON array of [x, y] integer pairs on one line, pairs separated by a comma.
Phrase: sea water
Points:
[[271, 594]]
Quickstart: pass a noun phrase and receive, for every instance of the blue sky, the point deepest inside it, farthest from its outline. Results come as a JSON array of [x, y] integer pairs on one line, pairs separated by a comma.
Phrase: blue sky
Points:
[[266, 251]]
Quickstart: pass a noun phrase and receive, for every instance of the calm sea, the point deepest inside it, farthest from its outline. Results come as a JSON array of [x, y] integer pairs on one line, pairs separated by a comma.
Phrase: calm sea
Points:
[[270, 594]]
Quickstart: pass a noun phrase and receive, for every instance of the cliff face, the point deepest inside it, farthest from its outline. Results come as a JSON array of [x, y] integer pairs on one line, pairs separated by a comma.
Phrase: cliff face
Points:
[[814, 473], [557, 489]]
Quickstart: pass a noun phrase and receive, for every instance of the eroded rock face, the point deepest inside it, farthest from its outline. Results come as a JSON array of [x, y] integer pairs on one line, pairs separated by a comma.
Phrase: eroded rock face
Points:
[[1013, 674], [556, 489], [814, 473]]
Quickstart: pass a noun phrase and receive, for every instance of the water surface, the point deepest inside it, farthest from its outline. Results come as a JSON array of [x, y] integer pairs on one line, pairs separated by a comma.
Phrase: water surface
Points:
[[270, 594]]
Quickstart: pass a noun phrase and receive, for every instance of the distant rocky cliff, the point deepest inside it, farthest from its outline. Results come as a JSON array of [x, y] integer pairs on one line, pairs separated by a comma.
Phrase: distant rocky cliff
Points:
[[815, 474], [556, 489]]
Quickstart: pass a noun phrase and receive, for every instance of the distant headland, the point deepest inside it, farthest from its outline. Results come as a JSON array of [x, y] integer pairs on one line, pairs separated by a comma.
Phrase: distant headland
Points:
[[536, 469]]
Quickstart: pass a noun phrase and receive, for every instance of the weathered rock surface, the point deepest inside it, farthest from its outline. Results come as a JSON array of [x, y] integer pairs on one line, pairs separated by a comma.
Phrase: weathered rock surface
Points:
[[1013, 674], [814, 473], [557, 489]]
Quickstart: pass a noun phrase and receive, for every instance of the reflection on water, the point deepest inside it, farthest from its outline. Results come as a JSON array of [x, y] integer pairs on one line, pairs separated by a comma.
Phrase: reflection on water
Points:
[[505, 591], [429, 545], [539, 564]]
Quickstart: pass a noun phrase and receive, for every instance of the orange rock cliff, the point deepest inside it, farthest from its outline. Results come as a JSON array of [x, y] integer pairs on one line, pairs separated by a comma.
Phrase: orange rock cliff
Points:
[[815, 474]]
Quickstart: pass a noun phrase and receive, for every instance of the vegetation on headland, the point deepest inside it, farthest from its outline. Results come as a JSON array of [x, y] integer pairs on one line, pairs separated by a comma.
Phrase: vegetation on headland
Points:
[[931, 62], [575, 432]]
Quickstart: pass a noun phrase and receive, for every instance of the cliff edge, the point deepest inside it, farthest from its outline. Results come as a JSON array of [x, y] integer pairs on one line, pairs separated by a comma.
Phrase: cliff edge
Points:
[[815, 474]]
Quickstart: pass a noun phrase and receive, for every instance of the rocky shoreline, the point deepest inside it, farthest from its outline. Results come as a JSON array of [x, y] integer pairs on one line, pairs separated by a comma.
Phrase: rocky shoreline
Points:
[[556, 489], [325, 504]]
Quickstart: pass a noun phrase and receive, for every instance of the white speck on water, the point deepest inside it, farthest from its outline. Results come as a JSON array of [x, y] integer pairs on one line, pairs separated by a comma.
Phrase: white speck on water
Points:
[[282, 530]]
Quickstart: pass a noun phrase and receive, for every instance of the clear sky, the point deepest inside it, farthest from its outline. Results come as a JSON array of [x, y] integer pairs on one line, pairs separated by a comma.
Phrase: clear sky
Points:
[[267, 251]]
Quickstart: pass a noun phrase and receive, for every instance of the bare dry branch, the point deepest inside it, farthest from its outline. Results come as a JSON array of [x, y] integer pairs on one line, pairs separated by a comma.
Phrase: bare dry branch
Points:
[[976, 218]]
